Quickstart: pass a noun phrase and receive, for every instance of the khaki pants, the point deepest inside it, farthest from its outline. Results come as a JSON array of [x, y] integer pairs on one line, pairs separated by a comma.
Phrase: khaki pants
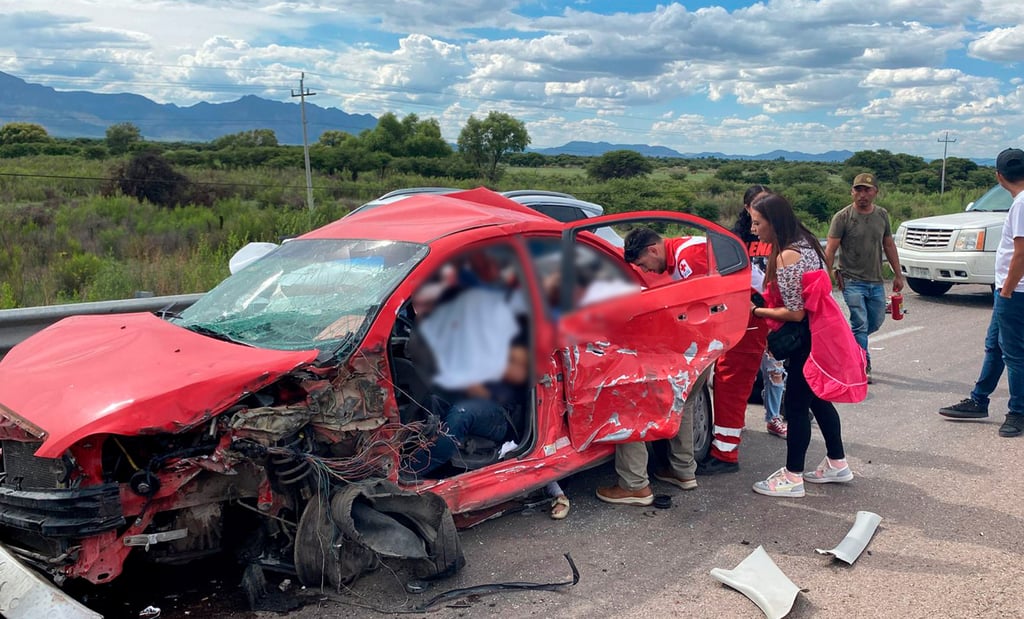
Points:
[[631, 458]]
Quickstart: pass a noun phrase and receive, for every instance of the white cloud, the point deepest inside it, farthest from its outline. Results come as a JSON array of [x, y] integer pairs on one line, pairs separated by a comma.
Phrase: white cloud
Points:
[[803, 66], [1000, 45]]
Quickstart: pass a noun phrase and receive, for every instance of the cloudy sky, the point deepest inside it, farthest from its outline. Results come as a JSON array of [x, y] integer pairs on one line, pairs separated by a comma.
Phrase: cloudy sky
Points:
[[722, 75]]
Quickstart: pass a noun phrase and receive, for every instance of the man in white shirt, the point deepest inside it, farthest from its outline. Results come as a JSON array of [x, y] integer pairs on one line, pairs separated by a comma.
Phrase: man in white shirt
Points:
[[1007, 311]]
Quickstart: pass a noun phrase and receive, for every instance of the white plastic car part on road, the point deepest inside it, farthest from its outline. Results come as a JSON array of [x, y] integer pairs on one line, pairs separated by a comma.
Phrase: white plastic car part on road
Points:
[[758, 578], [856, 540], [25, 594]]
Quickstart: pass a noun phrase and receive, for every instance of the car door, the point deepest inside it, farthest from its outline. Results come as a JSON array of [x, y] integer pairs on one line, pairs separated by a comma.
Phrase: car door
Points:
[[630, 362]]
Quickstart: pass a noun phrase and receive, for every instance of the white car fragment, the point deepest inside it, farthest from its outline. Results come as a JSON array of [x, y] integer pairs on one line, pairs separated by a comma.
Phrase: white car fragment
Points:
[[758, 578], [856, 540], [24, 594]]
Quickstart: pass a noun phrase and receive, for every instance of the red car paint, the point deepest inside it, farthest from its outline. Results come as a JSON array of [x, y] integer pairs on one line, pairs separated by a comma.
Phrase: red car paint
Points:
[[169, 427], [130, 374]]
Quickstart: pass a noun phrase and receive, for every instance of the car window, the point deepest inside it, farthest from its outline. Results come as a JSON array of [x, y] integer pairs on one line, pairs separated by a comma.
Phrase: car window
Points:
[[598, 276], [996, 199], [564, 214]]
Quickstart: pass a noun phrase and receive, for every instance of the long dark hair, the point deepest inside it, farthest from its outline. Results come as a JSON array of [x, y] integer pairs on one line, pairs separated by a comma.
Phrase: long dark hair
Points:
[[786, 229], [742, 226]]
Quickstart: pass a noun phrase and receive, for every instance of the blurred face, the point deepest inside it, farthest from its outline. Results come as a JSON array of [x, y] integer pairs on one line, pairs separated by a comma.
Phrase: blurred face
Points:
[[518, 370], [760, 227], [863, 195], [652, 259]]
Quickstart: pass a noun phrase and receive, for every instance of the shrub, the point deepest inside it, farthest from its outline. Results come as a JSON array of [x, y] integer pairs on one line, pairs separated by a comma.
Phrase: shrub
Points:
[[149, 176], [76, 272]]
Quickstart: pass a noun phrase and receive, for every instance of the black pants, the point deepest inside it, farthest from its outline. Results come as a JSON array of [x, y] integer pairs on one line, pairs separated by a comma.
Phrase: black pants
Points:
[[800, 403]]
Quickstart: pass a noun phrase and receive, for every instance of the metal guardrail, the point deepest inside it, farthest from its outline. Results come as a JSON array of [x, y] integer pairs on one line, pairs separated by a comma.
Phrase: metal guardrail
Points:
[[18, 324]]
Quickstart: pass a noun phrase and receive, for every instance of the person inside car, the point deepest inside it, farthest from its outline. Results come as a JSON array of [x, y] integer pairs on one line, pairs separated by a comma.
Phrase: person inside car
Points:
[[492, 410]]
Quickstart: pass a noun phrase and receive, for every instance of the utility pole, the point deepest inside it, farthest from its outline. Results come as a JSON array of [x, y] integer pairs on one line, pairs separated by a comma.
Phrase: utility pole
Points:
[[945, 143], [302, 94]]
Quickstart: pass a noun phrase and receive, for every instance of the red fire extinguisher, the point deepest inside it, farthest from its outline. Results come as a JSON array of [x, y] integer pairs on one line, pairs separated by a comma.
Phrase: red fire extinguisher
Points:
[[896, 306]]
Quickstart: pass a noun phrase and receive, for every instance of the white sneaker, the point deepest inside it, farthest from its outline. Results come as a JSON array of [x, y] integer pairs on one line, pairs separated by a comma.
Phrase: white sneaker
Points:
[[826, 474], [780, 485]]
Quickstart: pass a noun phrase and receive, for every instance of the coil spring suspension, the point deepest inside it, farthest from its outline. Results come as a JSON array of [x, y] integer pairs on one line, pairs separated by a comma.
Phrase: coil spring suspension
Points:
[[293, 469]]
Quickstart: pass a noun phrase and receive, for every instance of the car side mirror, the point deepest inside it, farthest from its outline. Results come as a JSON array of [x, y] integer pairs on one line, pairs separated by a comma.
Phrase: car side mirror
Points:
[[969, 205], [249, 254]]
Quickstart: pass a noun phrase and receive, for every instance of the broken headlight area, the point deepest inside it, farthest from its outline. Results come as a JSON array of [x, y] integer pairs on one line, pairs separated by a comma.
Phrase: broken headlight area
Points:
[[261, 483]]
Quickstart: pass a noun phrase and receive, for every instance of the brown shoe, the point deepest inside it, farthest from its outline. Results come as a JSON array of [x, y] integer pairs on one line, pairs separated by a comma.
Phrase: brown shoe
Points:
[[621, 496], [686, 483]]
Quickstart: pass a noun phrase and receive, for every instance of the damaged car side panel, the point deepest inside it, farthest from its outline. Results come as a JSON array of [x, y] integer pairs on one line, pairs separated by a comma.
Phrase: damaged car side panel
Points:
[[629, 363]]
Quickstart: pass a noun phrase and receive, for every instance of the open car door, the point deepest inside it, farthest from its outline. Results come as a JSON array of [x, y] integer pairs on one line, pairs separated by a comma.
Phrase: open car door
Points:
[[629, 362]]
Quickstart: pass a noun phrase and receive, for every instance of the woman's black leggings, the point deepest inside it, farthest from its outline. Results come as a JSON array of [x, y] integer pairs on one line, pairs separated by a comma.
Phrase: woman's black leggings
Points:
[[800, 403]]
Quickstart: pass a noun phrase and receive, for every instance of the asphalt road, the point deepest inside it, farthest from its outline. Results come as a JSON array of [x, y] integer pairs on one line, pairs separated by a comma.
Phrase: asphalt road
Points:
[[948, 493]]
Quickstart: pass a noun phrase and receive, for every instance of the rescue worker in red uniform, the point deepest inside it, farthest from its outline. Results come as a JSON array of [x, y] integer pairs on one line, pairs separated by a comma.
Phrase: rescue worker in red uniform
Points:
[[736, 370], [680, 258]]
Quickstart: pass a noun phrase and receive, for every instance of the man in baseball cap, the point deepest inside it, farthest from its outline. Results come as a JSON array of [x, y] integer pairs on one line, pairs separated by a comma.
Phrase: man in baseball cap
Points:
[[1010, 163], [865, 179], [1006, 328], [861, 232]]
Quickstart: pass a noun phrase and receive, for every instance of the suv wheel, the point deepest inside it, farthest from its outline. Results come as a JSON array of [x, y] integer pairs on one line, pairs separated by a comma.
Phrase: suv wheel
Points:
[[928, 288]]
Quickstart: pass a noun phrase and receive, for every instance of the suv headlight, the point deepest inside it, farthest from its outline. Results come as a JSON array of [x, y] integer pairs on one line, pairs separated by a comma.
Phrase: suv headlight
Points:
[[901, 233], [970, 240]]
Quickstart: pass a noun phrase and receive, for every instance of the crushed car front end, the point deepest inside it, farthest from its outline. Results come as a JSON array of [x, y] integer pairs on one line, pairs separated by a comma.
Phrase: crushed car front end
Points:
[[174, 440]]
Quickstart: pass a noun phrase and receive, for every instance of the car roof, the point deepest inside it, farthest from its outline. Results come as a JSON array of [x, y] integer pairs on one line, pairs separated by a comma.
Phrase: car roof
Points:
[[552, 198], [423, 217], [516, 193]]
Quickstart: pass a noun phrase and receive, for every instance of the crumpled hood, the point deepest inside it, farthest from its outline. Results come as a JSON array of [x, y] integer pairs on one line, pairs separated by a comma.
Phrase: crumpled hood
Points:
[[129, 374]]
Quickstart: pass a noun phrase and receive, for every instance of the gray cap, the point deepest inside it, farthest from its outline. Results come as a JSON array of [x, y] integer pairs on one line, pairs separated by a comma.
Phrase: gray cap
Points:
[[1010, 162]]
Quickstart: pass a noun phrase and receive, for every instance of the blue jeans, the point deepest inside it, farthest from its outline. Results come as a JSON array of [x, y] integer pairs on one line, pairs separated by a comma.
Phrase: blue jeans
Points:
[[773, 389], [866, 301], [1009, 315], [992, 366], [470, 416]]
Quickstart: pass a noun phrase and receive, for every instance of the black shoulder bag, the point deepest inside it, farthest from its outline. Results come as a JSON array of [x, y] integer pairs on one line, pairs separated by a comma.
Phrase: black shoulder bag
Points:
[[789, 338]]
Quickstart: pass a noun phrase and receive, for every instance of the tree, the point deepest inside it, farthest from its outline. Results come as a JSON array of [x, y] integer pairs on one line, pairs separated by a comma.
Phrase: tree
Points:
[[619, 164], [333, 137], [388, 136], [252, 138], [484, 142], [424, 139], [149, 176], [884, 164], [121, 136], [22, 133], [790, 175]]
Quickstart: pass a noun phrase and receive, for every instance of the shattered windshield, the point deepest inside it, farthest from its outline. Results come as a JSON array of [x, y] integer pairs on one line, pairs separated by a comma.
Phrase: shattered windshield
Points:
[[305, 294]]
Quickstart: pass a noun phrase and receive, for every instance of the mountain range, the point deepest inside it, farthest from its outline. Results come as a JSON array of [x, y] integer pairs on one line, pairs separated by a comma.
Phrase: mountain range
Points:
[[72, 114], [591, 149]]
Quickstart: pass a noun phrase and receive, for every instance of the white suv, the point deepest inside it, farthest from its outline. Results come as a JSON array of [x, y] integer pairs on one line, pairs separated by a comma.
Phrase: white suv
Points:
[[937, 252]]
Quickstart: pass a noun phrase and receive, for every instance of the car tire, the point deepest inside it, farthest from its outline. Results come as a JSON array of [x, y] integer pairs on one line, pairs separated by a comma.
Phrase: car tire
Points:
[[928, 288], [699, 408]]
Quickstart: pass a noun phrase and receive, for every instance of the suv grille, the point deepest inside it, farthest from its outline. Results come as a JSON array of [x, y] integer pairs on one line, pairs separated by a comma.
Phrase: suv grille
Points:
[[928, 238]]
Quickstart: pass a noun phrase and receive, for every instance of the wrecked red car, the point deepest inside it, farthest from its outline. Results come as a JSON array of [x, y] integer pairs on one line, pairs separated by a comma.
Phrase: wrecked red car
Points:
[[275, 416]]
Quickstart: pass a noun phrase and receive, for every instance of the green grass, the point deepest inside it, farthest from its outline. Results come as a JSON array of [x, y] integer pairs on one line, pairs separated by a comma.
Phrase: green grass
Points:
[[68, 236]]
